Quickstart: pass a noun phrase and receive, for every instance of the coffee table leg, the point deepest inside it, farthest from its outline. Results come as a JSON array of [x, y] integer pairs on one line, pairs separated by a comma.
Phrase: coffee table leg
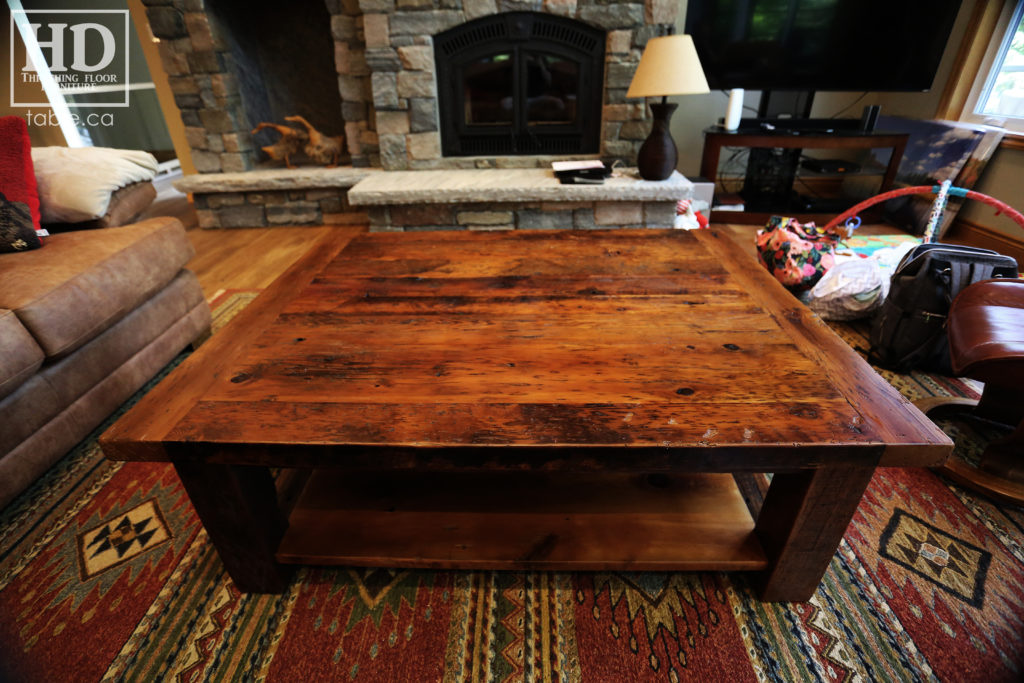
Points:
[[238, 507], [801, 524]]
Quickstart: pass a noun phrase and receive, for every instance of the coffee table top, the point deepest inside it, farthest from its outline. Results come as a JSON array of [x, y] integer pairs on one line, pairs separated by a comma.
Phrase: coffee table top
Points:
[[648, 348]]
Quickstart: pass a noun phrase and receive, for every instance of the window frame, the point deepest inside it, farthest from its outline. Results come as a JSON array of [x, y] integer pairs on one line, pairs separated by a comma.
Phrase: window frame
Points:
[[986, 73], [981, 43]]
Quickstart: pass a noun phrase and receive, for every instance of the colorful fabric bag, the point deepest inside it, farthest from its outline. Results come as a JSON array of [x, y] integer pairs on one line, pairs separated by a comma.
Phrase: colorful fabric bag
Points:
[[797, 255]]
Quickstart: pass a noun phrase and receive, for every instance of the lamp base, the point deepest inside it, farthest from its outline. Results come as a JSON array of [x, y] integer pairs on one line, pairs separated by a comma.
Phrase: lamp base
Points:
[[657, 158]]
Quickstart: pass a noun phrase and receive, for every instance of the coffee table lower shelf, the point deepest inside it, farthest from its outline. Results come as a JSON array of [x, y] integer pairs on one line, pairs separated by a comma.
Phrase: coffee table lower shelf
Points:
[[522, 520]]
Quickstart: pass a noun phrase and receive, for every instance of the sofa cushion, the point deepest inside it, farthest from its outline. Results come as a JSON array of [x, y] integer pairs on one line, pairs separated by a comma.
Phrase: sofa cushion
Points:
[[58, 385], [30, 407], [84, 282], [44, 446], [20, 354], [101, 356], [125, 206]]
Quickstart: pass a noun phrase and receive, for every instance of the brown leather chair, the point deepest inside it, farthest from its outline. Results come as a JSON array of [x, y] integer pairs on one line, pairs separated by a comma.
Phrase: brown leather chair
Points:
[[986, 343]]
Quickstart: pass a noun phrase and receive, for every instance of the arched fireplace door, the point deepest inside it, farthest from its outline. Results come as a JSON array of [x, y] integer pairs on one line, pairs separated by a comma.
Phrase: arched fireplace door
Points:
[[520, 83]]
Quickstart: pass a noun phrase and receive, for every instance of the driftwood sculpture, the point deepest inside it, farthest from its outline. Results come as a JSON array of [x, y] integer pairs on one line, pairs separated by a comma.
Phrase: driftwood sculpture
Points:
[[311, 142], [320, 148], [291, 143]]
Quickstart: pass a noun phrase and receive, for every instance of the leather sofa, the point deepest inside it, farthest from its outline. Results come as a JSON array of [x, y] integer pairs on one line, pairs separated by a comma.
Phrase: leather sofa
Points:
[[85, 322]]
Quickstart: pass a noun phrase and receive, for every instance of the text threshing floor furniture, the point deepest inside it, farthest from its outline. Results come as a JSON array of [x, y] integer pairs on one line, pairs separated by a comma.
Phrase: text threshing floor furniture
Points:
[[574, 400]]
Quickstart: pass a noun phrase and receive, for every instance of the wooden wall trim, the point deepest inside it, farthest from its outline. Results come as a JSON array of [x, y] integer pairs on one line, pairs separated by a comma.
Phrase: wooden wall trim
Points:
[[1012, 141], [967, 232]]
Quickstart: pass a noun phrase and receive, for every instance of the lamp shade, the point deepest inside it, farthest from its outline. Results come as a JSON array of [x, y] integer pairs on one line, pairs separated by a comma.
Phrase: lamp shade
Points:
[[669, 66]]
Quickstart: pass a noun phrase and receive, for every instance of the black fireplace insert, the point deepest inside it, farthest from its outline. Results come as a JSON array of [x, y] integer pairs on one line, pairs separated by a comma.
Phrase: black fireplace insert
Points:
[[520, 83]]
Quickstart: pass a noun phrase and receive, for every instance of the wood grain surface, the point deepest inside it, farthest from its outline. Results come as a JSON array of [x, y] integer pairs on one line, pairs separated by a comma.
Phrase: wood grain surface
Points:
[[642, 339], [140, 433], [523, 520]]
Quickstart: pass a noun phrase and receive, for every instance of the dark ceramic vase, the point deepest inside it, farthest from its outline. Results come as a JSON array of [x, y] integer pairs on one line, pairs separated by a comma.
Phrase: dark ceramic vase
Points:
[[657, 157]]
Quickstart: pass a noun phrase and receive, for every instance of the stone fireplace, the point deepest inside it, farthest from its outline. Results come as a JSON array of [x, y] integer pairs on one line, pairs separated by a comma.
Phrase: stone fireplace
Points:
[[280, 55], [367, 69], [386, 84]]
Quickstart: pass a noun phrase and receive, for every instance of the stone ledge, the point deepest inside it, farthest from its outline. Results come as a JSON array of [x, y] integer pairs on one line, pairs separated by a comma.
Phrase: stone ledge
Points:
[[275, 179], [389, 188]]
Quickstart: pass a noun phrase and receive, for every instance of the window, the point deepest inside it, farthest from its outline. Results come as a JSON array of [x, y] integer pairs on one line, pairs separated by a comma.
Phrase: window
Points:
[[997, 96]]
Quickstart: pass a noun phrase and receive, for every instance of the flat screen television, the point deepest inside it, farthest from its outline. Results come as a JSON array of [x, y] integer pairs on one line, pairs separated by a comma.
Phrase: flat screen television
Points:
[[820, 45]]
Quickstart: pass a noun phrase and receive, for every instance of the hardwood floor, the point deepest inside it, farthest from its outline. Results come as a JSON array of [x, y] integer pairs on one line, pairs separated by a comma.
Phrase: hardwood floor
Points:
[[235, 259], [249, 258]]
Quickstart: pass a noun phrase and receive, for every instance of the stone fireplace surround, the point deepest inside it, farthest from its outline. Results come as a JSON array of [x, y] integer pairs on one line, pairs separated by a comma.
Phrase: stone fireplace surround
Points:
[[383, 56]]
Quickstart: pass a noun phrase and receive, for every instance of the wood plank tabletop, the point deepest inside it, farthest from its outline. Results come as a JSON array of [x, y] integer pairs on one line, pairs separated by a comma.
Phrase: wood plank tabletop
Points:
[[644, 347]]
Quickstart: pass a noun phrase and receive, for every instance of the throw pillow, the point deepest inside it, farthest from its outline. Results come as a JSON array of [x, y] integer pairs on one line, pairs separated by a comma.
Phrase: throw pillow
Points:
[[76, 184], [19, 201]]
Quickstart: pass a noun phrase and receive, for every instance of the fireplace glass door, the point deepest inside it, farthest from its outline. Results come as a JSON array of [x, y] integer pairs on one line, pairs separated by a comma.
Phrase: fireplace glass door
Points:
[[552, 89], [488, 85], [520, 83]]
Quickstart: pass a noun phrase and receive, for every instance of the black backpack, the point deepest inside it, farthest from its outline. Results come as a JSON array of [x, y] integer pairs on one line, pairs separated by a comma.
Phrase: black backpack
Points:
[[909, 330]]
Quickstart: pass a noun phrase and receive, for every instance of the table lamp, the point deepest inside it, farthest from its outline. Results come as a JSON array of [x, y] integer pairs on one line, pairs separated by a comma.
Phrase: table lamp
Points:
[[669, 66]]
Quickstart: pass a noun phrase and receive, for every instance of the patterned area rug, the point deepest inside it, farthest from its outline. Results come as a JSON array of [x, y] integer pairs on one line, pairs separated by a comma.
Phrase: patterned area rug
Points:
[[106, 574], [866, 245]]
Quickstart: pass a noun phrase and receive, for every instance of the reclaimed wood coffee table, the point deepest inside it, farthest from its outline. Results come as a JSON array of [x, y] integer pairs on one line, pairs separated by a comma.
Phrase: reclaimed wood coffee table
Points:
[[569, 400]]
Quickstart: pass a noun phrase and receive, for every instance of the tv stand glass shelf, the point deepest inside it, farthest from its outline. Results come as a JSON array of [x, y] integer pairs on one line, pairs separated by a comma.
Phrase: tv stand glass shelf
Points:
[[773, 166]]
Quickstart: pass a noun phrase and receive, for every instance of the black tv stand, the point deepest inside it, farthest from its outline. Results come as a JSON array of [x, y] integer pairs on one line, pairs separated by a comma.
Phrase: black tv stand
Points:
[[777, 153], [797, 126]]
